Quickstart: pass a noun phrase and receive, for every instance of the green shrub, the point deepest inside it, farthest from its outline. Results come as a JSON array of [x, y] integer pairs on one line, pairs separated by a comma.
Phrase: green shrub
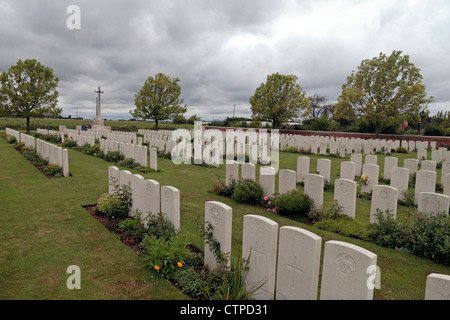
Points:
[[291, 149], [11, 139], [159, 226], [220, 188], [165, 255], [344, 225], [426, 236], [132, 228], [128, 163], [293, 202], [53, 170], [429, 237], [388, 232], [316, 214], [117, 205], [401, 150], [114, 156], [70, 144], [248, 191], [432, 129]]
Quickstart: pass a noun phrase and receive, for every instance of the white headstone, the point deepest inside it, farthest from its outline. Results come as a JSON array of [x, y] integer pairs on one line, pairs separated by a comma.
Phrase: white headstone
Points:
[[389, 163], [428, 165], [399, 180], [287, 180], [384, 200], [437, 287], [151, 195], [371, 159], [371, 171], [302, 167], [432, 203], [248, 171], [345, 272], [298, 264], [170, 204], [219, 215], [232, 172], [345, 195], [314, 184], [425, 182], [259, 244], [411, 165], [324, 168], [347, 170], [154, 159], [267, 180], [357, 159]]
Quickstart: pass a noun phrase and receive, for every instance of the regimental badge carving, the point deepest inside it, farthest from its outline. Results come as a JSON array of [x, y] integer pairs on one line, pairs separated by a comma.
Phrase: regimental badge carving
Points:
[[433, 203], [214, 214], [345, 265], [167, 197], [343, 186], [384, 194], [149, 187]]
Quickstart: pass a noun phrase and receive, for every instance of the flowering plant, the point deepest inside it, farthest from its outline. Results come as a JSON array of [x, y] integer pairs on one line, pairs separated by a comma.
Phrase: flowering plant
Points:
[[364, 179], [269, 204]]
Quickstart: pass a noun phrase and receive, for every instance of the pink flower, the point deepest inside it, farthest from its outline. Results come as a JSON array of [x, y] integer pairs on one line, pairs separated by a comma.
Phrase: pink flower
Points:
[[270, 202], [266, 198]]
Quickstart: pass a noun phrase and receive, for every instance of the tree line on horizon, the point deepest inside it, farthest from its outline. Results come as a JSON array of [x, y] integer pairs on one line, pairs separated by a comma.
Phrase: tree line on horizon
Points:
[[383, 94]]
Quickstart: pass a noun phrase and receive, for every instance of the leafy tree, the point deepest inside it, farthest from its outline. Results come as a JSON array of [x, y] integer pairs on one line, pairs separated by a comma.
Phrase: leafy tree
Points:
[[278, 100], [385, 90], [159, 99], [28, 89]]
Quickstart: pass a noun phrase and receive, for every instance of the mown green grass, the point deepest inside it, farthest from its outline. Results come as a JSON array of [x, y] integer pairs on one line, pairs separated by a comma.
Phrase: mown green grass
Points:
[[44, 230]]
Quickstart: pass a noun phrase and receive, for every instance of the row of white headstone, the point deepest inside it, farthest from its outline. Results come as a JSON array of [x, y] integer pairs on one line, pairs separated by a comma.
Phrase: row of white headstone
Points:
[[284, 263], [136, 152], [52, 133], [148, 197], [343, 145], [384, 198], [52, 153]]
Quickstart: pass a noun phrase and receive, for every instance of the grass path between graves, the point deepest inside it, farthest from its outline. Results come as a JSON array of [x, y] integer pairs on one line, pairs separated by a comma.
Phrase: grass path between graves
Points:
[[44, 229]]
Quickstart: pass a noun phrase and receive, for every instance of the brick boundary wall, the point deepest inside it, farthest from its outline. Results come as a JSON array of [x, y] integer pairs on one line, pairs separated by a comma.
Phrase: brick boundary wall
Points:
[[440, 140]]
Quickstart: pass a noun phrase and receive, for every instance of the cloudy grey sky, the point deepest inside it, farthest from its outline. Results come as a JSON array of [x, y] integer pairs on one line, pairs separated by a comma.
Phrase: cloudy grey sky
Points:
[[221, 50]]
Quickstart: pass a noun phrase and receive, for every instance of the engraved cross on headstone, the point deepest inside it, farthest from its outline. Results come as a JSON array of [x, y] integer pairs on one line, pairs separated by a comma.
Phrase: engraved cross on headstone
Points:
[[97, 111], [294, 269]]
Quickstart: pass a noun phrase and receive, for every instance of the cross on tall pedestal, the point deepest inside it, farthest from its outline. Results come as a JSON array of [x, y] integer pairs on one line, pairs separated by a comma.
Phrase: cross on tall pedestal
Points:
[[98, 122], [97, 109]]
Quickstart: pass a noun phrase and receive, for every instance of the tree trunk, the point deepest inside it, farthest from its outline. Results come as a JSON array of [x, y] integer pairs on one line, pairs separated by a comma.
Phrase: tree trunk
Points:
[[28, 124], [377, 131], [156, 124]]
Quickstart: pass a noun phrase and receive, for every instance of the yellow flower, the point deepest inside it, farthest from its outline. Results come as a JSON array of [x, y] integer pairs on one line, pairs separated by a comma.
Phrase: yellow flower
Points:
[[179, 264], [157, 267]]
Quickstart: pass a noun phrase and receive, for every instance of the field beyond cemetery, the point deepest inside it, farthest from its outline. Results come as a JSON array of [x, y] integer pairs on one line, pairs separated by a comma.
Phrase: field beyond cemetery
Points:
[[44, 229]]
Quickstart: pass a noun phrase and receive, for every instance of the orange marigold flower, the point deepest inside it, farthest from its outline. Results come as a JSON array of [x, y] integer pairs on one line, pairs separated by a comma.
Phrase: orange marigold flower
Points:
[[179, 264], [157, 267]]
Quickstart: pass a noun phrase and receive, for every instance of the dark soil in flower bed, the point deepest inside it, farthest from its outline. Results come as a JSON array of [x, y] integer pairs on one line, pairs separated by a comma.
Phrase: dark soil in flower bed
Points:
[[111, 225]]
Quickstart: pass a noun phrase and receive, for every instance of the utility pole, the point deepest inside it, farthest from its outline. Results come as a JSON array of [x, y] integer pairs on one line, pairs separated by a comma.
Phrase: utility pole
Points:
[[234, 110]]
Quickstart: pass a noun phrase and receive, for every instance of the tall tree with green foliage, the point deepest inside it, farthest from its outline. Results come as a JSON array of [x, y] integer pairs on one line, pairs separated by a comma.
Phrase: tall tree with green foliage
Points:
[[159, 99], [278, 100], [28, 89], [386, 90]]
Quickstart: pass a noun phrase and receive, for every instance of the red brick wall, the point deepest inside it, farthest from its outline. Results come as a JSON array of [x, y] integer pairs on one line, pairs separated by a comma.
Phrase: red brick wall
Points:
[[440, 141]]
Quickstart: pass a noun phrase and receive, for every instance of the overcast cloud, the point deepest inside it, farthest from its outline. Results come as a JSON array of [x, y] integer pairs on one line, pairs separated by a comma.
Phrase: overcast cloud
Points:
[[221, 50]]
